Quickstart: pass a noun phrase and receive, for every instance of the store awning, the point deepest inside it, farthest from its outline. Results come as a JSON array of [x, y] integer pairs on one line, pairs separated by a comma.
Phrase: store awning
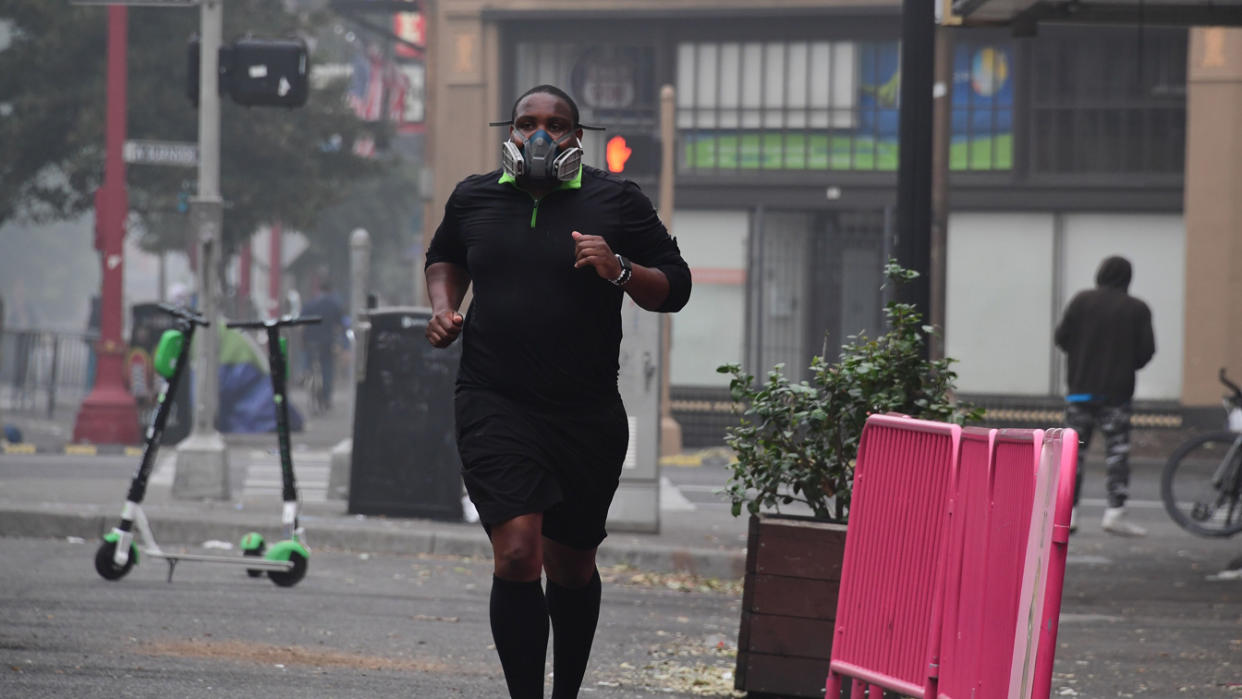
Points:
[[1026, 14]]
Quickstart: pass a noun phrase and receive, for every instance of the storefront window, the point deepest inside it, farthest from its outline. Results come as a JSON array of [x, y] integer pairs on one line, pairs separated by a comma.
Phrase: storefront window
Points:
[[982, 111], [817, 105], [1108, 100]]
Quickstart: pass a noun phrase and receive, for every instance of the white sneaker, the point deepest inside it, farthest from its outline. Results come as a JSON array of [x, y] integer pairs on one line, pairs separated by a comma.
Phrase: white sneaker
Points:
[[1073, 520], [1115, 522]]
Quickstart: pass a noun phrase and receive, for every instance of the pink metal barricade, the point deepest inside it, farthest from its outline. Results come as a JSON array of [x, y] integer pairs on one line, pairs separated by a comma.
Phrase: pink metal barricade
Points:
[[1061, 446], [987, 538], [1011, 492], [961, 639], [888, 612]]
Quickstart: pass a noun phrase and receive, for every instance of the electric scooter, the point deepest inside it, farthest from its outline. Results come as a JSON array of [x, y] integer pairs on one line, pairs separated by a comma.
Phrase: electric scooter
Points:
[[292, 547], [286, 562]]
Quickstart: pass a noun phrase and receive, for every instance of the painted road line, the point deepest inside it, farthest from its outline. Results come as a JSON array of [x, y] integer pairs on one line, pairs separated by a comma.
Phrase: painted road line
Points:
[[310, 468]]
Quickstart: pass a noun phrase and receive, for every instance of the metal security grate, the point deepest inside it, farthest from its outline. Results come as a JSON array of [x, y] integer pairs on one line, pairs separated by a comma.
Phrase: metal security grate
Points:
[[818, 281]]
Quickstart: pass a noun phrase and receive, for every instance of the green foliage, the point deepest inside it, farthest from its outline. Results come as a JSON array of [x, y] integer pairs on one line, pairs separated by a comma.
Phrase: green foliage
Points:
[[798, 442], [274, 163]]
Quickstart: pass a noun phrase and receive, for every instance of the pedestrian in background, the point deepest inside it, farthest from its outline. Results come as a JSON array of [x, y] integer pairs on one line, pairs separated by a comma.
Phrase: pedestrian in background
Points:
[[1107, 336], [552, 249], [323, 338]]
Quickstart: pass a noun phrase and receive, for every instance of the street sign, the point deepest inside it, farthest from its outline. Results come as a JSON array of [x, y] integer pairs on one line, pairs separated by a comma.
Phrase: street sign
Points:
[[149, 3], [161, 153]]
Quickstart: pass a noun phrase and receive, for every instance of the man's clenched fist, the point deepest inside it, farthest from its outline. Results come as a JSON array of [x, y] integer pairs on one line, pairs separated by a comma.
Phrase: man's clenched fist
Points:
[[444, 327]]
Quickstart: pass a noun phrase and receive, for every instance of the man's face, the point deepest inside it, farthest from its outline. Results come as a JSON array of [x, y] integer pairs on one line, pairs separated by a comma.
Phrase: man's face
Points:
[[548, 112]]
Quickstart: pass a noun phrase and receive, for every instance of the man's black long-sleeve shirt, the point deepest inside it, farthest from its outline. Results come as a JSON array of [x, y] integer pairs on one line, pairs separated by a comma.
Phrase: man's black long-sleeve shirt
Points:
[[539, 330]]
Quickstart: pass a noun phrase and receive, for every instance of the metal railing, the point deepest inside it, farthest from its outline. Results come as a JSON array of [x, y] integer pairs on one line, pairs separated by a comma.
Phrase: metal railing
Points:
[[41, 369]]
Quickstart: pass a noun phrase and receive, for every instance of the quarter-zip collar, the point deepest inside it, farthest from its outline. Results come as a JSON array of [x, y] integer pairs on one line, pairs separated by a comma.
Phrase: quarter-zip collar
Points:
[[575, 183]]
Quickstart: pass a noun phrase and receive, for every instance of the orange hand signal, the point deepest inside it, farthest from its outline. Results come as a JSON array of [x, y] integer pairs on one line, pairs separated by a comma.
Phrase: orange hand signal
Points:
[[616, 153]]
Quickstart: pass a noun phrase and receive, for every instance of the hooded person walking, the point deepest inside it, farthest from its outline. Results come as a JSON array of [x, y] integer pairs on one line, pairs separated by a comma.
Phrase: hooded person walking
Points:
[[1107, 336]]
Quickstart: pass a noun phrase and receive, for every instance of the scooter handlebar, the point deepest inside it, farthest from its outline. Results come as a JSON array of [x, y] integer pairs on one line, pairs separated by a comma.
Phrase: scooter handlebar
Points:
[[184, 314], [281, 322]]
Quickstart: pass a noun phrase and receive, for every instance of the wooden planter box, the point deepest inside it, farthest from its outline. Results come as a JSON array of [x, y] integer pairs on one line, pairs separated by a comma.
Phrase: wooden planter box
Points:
[[789, 603]]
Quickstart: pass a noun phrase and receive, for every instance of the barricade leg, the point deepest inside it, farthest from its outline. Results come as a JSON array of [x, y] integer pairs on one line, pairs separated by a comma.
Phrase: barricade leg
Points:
[[832, 689]]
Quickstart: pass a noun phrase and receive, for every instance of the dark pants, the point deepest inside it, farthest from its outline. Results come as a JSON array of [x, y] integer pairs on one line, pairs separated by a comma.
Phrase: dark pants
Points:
[[1114, 424], [327, 367]]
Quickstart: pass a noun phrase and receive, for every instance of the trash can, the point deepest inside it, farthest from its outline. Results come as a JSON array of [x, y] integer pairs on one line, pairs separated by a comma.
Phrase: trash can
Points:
[[404, 461]]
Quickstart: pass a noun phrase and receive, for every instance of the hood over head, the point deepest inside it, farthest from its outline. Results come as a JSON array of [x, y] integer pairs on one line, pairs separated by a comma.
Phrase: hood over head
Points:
[[1114, 272]]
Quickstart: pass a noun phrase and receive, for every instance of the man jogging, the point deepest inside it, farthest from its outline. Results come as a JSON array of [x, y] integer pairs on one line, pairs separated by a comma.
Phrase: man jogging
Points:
[[552, 249]]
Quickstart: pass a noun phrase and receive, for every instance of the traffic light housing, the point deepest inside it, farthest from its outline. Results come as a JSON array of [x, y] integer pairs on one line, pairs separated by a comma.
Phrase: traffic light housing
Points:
[[269, 72], [256, 72]]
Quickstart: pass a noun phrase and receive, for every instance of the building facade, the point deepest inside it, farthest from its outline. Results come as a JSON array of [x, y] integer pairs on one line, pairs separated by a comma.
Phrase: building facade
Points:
[[1064, 148]]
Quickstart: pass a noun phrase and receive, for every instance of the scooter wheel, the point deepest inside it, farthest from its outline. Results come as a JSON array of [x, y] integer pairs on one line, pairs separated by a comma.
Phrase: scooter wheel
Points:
[[106, 567], [291, 577], [252, 544]]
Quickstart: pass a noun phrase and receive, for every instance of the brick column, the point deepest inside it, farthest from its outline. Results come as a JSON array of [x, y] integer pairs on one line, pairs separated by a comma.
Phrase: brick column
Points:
[[1213, 213]]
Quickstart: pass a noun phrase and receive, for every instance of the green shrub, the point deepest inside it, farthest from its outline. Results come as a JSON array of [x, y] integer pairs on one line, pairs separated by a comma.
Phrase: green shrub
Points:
[[797, 442]]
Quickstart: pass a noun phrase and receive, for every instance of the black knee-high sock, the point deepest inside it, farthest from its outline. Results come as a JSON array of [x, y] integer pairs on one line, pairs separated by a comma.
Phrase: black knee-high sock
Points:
[[574, 613], [519, 617]]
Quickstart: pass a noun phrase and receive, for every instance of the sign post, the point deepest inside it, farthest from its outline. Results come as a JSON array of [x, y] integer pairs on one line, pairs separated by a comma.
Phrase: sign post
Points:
[[202, 470]]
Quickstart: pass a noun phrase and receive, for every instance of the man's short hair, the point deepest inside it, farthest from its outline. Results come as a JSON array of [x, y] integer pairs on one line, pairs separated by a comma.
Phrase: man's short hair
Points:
[[548, 90]]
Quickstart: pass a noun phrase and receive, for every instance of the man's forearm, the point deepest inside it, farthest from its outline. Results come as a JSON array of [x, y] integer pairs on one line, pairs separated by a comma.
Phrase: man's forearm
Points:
[[446, 286], [648, 287]]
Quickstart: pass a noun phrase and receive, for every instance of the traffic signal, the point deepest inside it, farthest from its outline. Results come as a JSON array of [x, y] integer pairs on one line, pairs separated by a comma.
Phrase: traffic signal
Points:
[[632, 154], [269, 72], [256, 72]]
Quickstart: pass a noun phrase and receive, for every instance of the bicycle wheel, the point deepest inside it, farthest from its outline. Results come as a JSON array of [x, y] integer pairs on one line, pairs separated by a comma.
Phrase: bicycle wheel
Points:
[[1202, 485]]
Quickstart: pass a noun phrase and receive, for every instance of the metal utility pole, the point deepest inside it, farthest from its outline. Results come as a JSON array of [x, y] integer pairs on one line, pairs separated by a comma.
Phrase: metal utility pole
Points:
[[914, 169], [942, 93], [670, 429], [275, 264], [202, 461], [109, 414]]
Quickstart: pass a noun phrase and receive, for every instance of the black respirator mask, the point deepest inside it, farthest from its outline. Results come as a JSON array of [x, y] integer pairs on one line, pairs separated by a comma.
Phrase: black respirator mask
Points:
[[539, 158]]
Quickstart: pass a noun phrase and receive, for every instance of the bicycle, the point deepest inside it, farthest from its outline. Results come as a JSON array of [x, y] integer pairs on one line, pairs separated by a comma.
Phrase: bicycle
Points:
[[1202, 481]]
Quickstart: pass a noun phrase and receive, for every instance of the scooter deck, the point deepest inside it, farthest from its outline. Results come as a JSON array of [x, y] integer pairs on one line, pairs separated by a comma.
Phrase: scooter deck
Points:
[[248, 561]]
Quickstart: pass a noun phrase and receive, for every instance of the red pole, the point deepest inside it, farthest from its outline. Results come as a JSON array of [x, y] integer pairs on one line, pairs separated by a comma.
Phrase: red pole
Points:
[[109, 415], [273, 267]]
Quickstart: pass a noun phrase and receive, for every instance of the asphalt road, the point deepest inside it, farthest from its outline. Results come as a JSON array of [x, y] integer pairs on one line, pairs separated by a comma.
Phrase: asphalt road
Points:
[[1151, 617], [356, 626]]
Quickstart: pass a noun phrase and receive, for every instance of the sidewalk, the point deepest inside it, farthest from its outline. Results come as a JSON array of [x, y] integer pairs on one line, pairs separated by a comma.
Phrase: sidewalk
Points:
[[63, 491], [54, 489]]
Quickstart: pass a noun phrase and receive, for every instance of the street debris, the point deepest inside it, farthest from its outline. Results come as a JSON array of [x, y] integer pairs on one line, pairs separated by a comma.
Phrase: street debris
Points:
[[681, 582], [701, 667]]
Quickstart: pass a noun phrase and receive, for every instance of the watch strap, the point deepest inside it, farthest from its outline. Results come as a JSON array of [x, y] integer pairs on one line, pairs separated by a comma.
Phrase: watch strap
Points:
[[627, 270]]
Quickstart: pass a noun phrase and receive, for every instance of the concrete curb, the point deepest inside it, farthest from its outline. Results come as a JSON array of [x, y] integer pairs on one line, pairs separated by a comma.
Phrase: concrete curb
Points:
[[26, 448]]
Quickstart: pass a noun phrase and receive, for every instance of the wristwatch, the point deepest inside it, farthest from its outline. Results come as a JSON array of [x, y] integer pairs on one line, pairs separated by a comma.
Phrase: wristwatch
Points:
[[627, 271]]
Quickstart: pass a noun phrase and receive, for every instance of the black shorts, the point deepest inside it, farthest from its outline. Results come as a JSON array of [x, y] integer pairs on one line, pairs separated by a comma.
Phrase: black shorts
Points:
[[518, 459]]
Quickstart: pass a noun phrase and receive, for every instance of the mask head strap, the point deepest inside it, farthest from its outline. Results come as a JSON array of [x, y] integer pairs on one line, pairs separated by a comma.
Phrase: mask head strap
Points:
[[579, 126]]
